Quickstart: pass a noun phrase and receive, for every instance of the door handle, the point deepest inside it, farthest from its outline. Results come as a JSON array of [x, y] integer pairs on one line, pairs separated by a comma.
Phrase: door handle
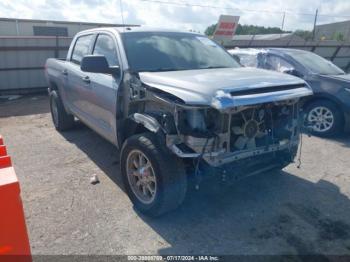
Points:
[[86, 79], [65, 72]]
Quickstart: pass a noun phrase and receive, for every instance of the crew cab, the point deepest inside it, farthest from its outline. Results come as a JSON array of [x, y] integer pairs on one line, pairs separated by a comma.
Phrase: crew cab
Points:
[[177, 105]]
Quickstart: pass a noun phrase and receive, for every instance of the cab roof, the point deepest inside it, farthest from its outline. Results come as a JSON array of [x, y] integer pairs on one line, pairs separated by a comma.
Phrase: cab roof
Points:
[[127, 29]]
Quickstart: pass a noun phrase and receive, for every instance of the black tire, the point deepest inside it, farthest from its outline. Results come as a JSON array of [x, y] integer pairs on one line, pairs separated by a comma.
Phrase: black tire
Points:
[[169, 172], [338, 123], [61, 119]]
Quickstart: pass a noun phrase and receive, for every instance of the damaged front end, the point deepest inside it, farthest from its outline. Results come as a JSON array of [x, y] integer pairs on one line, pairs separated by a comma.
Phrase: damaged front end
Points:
[[261, 125], [243, 132], [239, 127]]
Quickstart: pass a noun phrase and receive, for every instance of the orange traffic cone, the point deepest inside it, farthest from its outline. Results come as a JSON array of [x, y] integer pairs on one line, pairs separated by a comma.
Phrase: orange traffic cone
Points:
[[14, 242]]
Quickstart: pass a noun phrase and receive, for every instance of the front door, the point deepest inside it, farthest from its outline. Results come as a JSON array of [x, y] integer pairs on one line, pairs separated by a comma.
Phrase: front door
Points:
[[103, 88]]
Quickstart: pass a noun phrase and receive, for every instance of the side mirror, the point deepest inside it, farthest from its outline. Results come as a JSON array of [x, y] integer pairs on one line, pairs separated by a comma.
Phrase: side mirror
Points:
[[97, 64], [293, 72]]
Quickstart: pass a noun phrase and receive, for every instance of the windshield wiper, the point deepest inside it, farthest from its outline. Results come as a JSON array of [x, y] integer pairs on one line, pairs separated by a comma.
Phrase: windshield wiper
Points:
[[166, 69], [213, 67], [162, 69], [328, 74]]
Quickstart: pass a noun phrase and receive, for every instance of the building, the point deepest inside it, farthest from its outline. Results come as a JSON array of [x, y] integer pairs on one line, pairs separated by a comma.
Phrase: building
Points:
[[334, 31], [29, 27]]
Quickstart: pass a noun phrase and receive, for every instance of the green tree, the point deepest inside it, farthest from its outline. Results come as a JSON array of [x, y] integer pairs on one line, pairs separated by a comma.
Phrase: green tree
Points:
[[210, 30], [248, 30], [306, 35], [338, 36]]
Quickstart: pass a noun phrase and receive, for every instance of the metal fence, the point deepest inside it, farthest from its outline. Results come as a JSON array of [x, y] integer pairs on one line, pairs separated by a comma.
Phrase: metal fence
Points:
[[22, 59], [337, 52]]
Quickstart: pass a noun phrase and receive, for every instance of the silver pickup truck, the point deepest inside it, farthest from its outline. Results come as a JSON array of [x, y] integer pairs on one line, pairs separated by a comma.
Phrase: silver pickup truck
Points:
[[177, 105]]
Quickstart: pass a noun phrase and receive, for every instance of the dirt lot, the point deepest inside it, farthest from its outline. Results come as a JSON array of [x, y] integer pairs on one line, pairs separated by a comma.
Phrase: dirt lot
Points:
[[300, 211]]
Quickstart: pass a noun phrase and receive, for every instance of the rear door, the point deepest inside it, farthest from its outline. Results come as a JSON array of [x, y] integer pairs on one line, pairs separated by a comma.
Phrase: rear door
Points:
[[78, 86], [102, 98]]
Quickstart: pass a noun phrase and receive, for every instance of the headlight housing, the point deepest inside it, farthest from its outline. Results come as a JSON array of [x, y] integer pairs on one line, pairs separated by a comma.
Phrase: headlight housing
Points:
[[199, 121]]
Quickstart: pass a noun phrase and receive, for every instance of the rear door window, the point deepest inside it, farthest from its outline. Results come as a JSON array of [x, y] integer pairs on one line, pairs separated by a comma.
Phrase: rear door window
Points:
[[277, 63], [248, 60], [81, 48], [105, 46]]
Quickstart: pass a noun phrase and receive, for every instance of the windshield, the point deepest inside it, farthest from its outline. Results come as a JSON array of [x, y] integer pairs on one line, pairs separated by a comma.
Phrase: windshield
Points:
[[316, 64], [164, 51]]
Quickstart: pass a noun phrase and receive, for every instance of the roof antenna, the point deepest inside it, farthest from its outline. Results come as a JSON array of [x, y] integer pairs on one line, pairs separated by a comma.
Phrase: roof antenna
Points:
[[121, 11]]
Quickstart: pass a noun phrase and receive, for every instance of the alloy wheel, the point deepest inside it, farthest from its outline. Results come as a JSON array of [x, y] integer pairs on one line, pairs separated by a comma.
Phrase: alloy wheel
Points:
[[321, 119], [141, 176]]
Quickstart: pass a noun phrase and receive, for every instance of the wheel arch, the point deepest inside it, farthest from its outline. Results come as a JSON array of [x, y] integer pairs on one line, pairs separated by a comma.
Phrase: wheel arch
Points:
[[53, 85], [321, 97]]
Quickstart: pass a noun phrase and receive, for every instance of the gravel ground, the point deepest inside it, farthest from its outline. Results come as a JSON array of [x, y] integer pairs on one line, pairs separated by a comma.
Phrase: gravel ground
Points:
[[300, 211]]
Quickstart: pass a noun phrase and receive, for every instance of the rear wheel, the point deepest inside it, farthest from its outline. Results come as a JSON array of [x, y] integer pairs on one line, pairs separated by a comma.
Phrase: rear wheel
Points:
[[60, 118], [325, 118], [154, 179]]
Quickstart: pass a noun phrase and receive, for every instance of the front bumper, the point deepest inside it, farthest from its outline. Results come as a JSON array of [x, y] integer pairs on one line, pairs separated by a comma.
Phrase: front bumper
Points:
[[232, 172], [220, 158]]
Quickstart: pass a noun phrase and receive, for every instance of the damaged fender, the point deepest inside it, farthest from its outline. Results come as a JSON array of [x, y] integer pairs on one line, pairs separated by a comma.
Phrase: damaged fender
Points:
[[147, 121]]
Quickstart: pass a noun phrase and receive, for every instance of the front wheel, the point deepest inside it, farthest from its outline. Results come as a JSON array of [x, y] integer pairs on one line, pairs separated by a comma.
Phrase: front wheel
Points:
[[154, 179], [324, 118]]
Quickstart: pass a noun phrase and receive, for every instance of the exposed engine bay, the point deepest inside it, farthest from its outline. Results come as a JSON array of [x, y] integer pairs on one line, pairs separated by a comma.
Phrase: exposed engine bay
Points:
[[243, 132], [238, 124]]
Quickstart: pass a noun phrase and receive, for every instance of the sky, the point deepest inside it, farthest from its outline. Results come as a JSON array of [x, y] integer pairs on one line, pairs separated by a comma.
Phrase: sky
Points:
[[299, 14]]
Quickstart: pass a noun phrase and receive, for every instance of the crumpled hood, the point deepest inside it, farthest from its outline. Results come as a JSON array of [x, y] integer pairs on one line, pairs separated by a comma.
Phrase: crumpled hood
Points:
[[215, 87]]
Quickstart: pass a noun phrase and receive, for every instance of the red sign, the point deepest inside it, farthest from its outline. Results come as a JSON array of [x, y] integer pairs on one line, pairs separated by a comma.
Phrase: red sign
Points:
[[226, 27]]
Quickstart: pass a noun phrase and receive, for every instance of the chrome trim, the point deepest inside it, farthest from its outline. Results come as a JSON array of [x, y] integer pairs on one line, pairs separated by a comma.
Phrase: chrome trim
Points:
[[224, 100]]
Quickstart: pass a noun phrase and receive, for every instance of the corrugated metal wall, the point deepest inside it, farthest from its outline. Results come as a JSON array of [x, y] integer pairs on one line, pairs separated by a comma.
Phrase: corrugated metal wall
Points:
[[22, 59], [25, 27]]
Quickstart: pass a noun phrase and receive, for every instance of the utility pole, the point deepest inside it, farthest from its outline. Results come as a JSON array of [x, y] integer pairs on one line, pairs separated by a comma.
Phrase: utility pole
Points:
[[284, 17], [314, 31]]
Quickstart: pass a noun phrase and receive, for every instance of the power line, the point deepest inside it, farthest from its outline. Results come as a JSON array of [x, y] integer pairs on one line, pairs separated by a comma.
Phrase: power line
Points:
[[185, 4]]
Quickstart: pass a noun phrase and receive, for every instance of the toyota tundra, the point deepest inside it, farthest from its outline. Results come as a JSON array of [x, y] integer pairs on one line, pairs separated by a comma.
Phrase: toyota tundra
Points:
[[175, 104]]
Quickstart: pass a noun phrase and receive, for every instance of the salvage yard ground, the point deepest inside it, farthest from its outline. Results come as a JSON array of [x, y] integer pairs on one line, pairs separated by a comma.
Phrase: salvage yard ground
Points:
[[300, 211]]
